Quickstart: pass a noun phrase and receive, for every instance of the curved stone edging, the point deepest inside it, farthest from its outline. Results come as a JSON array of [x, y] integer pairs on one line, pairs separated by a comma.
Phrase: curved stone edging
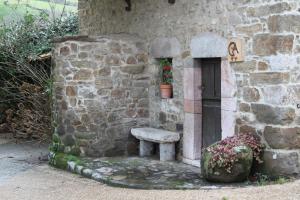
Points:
[[191, 180]]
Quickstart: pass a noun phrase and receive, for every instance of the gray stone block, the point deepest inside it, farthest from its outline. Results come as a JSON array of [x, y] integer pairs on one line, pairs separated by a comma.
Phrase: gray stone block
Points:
[[208, 45], [165, 48], [155, 135], [167, 151], [281, 162]]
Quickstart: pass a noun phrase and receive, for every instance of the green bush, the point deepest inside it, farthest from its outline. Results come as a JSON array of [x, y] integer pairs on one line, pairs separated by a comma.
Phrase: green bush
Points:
[[25, 75]]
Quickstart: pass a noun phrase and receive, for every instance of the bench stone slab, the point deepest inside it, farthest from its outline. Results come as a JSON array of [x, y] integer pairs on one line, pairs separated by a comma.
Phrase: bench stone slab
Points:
[[155, 135]]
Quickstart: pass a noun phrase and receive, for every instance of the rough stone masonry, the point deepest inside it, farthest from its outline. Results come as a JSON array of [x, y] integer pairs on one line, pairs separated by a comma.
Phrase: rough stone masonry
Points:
[[101, 92], [94, 92]]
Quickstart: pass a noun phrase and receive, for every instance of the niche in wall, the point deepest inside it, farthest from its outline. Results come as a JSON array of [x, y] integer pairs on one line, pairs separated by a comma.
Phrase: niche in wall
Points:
[[166, 77]]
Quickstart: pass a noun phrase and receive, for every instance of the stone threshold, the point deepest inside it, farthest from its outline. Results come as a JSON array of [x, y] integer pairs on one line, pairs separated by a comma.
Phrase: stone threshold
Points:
[[195, 163], [144, 173]]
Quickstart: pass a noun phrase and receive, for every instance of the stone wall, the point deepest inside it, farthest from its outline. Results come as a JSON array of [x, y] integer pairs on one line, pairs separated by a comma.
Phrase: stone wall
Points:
[[267, 81], [101, 91]]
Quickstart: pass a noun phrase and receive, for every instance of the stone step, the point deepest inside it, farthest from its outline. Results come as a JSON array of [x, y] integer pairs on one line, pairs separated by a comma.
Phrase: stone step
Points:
[[155, 135], [281, 162]]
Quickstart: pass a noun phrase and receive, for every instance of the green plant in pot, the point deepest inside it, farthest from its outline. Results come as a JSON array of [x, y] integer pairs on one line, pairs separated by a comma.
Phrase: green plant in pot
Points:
[[230, 160], [166, 88]]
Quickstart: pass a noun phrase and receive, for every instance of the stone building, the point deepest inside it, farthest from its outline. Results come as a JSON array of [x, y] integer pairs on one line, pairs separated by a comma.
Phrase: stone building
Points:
[[107, 80]]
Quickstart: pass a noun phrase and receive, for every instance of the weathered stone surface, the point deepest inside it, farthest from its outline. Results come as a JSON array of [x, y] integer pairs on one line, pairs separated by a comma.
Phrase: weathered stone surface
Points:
[[83, 74], [112, 60], [103, 83], [267, 78], [83, 55], [83, 64], [165, 48], [71, 91], [239, 172], [273, 115], [245, 67], [115, 47], [201, 46], [284, 23], [244, 107], [148, 173], [266, 44], [282, 62], [264, 10], [155, 135], [74, 47], [282, 138], [250, 30], [133, 68], [167, 151], [262, 66], [93, 93], [105, 71], [131, 60], [251, 94], [65, 51], [281, 162], [247, 129], [276, 95]]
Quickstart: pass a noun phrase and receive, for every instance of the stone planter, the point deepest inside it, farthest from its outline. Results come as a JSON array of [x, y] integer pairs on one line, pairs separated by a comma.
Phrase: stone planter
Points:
[[166, 91], [239, 172]]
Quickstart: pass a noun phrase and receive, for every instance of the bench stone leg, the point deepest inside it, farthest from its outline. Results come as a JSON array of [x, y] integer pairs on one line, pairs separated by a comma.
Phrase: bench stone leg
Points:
[[146, 148], [167, 151]]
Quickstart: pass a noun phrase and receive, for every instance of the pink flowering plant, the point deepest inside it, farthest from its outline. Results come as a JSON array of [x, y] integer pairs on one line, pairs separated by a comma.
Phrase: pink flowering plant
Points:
[[225, 153]]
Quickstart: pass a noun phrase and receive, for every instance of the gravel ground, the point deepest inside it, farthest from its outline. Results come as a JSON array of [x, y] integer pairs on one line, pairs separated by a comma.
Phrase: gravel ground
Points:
[[17, 158], [44, 182], [22, 177]]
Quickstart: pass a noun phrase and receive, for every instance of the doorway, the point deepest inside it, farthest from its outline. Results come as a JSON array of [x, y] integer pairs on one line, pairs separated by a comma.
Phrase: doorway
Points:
[[209, 111], [211, 101]]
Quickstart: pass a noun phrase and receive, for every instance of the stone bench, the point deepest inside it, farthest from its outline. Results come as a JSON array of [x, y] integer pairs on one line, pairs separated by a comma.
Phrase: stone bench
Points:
[[166, 140]]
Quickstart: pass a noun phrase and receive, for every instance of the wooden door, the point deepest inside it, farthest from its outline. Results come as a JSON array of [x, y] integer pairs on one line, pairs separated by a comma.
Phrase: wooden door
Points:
[[211, 101]]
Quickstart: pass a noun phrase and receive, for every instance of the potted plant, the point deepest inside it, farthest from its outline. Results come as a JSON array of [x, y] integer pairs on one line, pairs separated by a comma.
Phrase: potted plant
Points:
[[231, 159], [166, 88]]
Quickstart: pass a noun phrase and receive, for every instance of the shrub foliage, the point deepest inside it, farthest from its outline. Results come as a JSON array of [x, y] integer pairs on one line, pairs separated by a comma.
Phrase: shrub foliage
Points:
[[25, 72]]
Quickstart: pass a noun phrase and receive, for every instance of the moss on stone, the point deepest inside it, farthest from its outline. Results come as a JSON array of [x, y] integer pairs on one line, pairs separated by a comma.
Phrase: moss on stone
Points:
[[60, 160], [56, 147], [56, 138], [75, 151]]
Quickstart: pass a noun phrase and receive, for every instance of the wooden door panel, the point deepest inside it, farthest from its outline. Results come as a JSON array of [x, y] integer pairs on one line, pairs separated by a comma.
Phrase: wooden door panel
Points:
[[211, 101]]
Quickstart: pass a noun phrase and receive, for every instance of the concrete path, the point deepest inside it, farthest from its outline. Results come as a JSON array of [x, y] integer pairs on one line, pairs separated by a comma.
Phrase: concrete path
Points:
[[17, 158], [24, 177]]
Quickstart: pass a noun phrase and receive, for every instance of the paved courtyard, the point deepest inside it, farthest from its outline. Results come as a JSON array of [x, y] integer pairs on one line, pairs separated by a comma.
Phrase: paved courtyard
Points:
[[23, 176]]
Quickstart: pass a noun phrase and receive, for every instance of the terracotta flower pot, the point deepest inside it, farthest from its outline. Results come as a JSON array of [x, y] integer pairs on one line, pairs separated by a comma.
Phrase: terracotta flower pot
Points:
[[166, 91]]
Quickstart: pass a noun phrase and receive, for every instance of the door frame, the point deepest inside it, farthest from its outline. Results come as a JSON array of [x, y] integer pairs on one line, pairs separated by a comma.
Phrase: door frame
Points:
[[206, 45]]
